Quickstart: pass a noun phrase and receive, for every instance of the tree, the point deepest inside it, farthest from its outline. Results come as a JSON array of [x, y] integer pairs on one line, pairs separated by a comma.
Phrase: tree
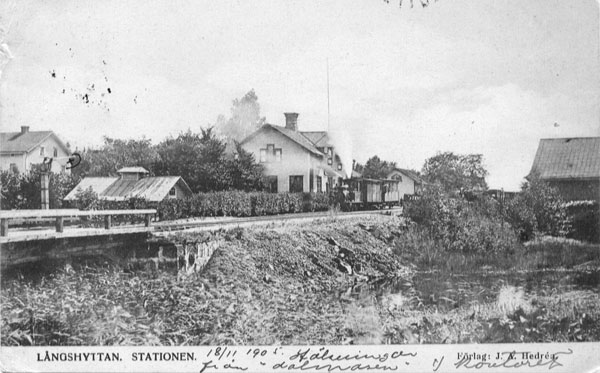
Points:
[[115, 154], [537, 209], [197, 157], [375, 168], [244, 173], [23, 190], [456, 172], [245, 118]]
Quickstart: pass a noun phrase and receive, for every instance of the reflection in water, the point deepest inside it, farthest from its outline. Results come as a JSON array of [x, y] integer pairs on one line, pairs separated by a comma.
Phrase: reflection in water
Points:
[[448, 291]]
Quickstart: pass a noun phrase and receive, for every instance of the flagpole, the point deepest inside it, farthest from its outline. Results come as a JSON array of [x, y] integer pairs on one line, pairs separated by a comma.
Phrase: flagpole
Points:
[[328, 115]]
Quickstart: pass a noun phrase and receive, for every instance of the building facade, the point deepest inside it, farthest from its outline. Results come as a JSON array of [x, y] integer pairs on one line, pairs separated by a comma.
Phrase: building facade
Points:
[[409, 184], [295, 161], [20, 150], [571, 165]]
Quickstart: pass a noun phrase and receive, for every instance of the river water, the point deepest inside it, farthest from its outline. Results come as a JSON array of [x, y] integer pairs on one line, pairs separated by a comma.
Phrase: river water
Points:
[[444, 291]]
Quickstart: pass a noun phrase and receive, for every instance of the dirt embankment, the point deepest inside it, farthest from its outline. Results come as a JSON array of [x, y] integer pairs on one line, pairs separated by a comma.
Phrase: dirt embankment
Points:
[[287, 285]]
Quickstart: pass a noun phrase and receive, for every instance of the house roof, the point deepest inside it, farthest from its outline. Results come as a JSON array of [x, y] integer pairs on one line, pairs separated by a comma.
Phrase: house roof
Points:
[[19, 142], [318, 138], [153, 189], [567, 158], [408, 173], [295, 136]]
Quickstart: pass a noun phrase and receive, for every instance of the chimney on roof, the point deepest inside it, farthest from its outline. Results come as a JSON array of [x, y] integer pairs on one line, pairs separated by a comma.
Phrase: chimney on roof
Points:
[[291, 121], [24, 129]]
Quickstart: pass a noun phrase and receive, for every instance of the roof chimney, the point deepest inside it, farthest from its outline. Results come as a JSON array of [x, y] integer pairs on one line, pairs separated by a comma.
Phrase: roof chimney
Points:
[[291, 121], [24, 129]]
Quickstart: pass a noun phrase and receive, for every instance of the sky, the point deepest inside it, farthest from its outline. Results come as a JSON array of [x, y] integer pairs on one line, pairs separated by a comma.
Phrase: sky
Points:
[[479, 76]]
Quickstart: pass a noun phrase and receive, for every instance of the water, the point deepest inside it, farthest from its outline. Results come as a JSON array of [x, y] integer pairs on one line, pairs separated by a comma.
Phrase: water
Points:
[[444, 291]]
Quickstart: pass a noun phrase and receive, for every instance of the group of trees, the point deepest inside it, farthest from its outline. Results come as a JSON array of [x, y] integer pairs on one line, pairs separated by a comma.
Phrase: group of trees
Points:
[[208, 160], [455, 181]]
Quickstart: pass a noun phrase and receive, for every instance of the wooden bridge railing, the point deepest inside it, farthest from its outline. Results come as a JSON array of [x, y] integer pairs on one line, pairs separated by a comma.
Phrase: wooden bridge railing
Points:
[[60, 214]]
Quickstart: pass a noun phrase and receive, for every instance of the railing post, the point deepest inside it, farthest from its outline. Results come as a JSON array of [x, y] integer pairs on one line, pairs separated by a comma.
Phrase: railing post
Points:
[[107, 221], [148, 220], [59, 224], [4, 227]]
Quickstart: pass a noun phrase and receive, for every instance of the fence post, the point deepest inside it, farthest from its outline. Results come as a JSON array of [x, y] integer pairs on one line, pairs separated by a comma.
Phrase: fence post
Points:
[[4, 227], [59, 224], [148, 220]]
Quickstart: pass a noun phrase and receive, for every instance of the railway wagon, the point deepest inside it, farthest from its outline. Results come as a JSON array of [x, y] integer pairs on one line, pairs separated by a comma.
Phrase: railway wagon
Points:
[[372, 193]]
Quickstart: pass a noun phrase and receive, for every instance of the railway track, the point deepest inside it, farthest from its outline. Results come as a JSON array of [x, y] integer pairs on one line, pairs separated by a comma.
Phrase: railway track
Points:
[[162, 228]]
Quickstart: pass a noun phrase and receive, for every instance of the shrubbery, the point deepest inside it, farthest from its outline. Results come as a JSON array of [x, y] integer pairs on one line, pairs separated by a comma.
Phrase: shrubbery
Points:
[[240, 204], [23, 190], [584, 217], [227, 203], [538, 209], [459, 225]]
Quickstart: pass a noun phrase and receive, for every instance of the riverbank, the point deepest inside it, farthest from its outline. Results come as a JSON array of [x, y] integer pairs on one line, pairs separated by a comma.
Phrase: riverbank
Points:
[[359, 281]]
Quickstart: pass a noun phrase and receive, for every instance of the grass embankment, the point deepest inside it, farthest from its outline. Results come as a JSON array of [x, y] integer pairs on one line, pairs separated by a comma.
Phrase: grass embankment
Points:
[[261, 287], [291, 285]]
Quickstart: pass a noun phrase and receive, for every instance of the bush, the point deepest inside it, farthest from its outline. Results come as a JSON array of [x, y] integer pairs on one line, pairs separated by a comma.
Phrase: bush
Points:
[[462, 226], [23, 190], [537, 209], [241, 204], [584, 217]]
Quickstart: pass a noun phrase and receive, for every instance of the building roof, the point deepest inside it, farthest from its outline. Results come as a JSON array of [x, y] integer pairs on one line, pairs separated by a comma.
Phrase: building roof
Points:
[[153, 189], [98, 185], [318, 138], [408, 173], [133, 170], [119, 189], [567, 158], [156, 188], [295, 136], [19, 142]]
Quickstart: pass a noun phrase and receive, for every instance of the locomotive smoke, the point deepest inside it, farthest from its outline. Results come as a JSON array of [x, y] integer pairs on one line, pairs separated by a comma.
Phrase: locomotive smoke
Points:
[[342, 143]]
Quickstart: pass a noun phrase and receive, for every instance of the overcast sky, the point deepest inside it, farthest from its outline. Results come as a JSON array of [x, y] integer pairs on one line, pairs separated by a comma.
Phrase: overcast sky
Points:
[[478, 76]]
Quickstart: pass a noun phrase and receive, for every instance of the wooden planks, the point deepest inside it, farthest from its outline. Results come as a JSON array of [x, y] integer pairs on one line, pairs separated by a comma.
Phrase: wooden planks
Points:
[[55, 213], [60, 214]]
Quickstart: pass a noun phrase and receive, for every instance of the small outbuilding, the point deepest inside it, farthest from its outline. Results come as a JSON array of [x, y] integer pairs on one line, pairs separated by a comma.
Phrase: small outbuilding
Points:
[[409, 183], [571, 165], [132, 182]]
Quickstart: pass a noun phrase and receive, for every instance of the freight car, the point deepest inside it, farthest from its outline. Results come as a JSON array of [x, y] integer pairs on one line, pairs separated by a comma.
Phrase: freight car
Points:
[[363, 193]]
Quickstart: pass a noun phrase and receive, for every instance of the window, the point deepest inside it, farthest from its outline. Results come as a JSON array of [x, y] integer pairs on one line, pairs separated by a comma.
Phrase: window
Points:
[[13, 168], [311, 180], [330, 152], [55, 152], [42, 150], [397, 177], [172, 192], [319, 184], [329, 161], [12, 155], [296, 184], [271, 184], [270, 154], [339, 167]]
